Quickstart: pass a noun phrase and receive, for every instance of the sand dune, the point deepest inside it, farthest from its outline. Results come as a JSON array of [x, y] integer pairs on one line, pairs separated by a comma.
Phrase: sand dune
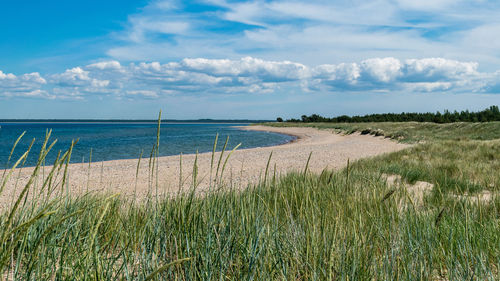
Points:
[[329, 150]]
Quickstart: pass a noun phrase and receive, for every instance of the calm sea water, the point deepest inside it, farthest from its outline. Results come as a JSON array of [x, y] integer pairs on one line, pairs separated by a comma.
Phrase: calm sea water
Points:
[[126, 140]]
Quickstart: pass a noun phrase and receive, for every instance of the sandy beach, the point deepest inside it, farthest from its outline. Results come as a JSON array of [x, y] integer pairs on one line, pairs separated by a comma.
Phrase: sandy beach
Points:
[[329, 150]]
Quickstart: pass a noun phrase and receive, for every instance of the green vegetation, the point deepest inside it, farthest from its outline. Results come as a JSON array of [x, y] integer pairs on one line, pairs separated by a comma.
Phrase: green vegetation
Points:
[[464, 157], [454, 166], [490, 114], [340, 225], [411, 131]]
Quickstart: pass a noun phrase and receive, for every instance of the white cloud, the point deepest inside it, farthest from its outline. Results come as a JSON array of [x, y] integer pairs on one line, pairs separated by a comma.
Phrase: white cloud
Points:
[[4, 76], [75, 77], [482, 38], [492, 84], [153, 80], [312, 32], [246, 12], [343, 75], [106, 65], [382, 69], [144, 93], [427, 5], [414, 75], [37, 93], [248, 66], [25, 85], [435, 69], [337, 12], [429, 86], [144, 27], [33, 78]]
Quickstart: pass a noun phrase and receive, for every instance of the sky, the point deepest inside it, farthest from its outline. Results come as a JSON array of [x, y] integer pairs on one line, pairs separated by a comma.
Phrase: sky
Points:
[[246, 59]]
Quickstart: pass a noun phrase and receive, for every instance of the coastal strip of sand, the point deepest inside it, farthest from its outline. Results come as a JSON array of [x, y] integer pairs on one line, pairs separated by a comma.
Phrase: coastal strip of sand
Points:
[[246, 166]]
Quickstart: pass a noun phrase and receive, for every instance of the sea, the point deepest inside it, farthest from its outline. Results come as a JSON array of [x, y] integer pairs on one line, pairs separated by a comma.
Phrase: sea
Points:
[[98, 141]]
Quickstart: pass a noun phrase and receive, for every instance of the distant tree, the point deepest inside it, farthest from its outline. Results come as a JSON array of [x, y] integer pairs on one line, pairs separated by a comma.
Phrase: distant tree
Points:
[[489, 114], [279, 119]]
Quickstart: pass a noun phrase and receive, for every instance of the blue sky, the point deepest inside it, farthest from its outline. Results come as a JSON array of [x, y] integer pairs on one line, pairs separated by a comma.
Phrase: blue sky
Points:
[[246, 59]]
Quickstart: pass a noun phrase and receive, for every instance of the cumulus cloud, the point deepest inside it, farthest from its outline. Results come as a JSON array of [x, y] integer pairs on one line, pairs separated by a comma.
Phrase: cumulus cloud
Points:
[[382, 70], [106, 65], [344, 75], [5, 76], [248, 67], [426, 75], [29, 80], [77, 77], [435, 69], [152, 80], [25, 85]]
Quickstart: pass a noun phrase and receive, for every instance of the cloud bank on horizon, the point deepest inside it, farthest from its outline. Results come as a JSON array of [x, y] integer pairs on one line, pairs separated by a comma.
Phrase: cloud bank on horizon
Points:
[[251, 75], [239, 49]]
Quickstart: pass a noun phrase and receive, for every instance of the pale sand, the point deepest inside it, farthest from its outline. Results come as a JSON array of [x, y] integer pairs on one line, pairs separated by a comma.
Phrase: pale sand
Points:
[[329, 150]]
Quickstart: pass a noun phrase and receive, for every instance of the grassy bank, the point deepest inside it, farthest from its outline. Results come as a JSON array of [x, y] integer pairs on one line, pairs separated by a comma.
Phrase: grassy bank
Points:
[[454, 166], [411, 132], [462, 157], [339, 225]]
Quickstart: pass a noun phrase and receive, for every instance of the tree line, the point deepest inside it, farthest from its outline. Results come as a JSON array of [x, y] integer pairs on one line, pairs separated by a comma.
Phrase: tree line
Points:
[[489, 114]]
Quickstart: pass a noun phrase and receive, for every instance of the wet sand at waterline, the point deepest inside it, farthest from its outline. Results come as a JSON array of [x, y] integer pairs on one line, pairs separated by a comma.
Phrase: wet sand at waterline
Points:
[[329, 150]]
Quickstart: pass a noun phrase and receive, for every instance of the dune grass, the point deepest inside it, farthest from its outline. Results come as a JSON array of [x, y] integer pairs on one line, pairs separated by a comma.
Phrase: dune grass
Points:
[[411, 132], [455, 166], [339, 225], [459, 157]]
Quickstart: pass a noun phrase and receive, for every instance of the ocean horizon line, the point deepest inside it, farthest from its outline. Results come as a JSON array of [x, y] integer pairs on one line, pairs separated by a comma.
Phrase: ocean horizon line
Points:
[[239, 121]]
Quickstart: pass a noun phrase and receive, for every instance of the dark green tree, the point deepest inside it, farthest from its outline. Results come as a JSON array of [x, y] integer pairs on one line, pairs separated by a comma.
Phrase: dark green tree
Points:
[[489, 114]]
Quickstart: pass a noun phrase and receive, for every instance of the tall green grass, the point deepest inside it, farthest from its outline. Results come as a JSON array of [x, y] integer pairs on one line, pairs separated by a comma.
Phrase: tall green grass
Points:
[[339, 225], [454, 166], [411, 132]]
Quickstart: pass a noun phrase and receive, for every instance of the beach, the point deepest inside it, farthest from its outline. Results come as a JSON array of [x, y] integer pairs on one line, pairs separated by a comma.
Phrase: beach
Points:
[[129, 178]]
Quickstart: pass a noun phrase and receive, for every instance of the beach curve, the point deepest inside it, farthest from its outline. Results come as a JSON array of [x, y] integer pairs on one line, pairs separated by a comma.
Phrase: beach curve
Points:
[[328, 149]]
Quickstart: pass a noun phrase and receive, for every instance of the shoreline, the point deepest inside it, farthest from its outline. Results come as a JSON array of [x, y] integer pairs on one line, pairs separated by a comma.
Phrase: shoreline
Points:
[[262, 128], [245, 166]]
